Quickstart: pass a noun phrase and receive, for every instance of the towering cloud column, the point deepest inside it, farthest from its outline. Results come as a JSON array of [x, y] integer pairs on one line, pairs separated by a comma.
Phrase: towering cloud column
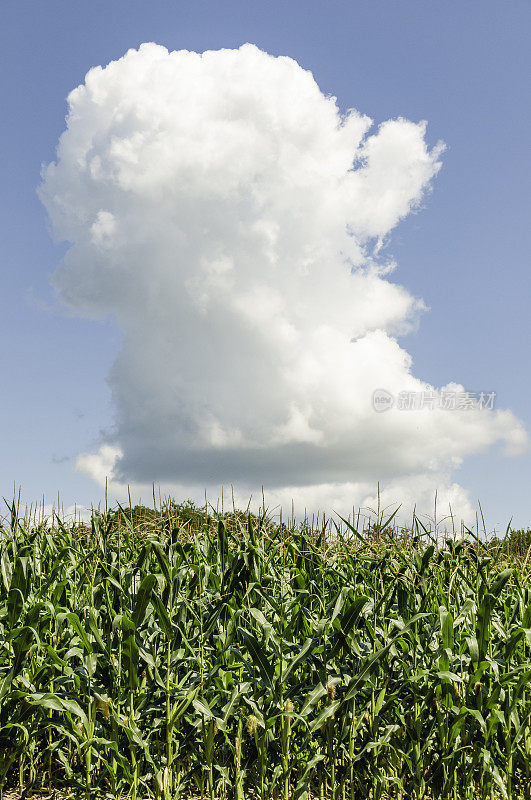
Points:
[[228, 215]]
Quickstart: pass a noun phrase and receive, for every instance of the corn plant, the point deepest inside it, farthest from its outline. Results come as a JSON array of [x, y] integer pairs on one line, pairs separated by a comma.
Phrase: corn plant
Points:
[[170, 654]]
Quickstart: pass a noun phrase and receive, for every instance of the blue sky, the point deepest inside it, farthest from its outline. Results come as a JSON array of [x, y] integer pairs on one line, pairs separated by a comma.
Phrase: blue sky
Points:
[[463, 67]]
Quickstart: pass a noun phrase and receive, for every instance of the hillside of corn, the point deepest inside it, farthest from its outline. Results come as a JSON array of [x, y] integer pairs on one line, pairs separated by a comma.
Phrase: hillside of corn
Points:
[[178, 653]]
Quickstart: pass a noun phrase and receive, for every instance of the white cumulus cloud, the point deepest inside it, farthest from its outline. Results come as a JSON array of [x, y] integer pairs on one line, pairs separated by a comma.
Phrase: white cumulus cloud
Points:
[[231, 218]]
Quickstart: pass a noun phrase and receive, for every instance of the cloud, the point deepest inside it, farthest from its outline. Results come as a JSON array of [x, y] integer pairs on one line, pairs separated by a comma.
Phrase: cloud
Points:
[[231, 219]]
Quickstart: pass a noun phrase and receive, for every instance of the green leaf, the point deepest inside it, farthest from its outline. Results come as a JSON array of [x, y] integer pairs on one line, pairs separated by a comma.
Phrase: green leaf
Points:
[[447, 629], [162, 615], [75, 622], [142, 599], [162, 558], [15, 604], [259, 657], [326, 712], [473, 648]]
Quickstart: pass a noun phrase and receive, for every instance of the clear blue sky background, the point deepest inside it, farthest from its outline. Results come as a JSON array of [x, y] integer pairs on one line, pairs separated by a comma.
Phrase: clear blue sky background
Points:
[[463, 66]]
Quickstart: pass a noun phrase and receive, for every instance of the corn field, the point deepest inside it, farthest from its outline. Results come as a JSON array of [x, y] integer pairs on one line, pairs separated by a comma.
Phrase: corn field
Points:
[[235, 658]]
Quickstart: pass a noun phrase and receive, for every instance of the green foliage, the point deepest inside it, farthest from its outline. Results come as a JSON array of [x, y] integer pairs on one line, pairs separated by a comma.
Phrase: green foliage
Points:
[[178, 652], [516, 544]]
